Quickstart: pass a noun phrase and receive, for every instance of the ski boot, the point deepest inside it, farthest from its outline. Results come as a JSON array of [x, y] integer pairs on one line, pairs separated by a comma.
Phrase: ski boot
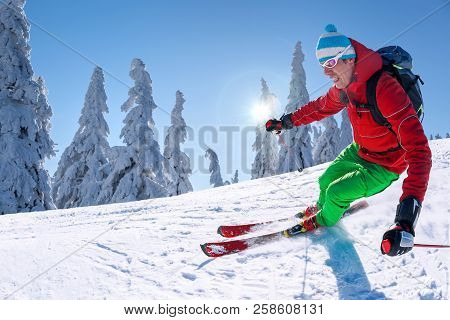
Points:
[[308, 223], [308, 212]]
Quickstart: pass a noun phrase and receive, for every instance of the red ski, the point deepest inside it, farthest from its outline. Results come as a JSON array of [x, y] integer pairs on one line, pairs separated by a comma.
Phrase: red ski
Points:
[[219, 249], [239, 230]]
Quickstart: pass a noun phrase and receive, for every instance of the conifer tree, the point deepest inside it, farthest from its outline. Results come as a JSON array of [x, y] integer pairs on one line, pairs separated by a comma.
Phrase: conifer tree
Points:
[[265, 145], [214, 168], [137, 172], [83, 166], [326, 148], [177, 166], [24, 119], [235, 179]]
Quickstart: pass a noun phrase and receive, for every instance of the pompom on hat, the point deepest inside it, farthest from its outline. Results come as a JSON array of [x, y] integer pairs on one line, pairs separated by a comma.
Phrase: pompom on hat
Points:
[[332, 43]]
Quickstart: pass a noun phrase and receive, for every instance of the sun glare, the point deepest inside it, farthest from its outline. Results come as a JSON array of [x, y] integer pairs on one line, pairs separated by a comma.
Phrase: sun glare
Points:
[[261, 112]]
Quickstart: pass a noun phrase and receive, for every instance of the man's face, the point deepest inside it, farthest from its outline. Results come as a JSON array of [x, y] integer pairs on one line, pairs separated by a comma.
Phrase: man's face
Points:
[[341, 73]]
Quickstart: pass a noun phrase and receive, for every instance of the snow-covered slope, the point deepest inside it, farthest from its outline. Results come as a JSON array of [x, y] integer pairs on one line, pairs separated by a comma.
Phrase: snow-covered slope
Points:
[[150, 249]]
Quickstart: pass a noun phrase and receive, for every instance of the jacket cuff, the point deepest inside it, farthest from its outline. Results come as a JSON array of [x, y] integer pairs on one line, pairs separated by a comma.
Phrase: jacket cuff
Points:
[[286, 121]]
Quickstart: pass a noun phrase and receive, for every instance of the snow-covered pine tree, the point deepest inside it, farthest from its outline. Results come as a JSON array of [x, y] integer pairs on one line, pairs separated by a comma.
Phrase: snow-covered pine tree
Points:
[[317, 132], [24, 119], [83, 166], [326, 148], [177, 166], [44, 113], [235, 179], [265, 145], [137, 172], [257, 147], [346, 131], [296, 151], [447, 135], [45, 143], [214, 168], [437, 137], [431, 137]]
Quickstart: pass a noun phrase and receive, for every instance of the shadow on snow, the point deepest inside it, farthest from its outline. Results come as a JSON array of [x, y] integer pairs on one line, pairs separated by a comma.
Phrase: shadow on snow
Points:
[[352, 281]]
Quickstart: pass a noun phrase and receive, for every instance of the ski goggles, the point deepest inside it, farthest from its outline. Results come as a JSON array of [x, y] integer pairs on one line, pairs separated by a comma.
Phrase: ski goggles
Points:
[[332, 62]]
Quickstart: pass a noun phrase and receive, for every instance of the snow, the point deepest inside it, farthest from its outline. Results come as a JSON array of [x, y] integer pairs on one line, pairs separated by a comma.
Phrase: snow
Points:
[[150, 249], [218, 249]]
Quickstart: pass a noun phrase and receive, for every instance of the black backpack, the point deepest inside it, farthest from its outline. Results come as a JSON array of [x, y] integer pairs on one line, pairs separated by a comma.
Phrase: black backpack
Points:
[[398, 63]]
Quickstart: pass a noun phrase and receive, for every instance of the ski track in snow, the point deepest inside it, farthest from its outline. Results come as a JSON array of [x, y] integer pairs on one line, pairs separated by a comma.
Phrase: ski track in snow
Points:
[[150, 249]]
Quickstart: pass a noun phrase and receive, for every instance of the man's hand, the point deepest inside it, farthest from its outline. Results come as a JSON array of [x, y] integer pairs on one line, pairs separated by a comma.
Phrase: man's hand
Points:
[[284, 123], [274, 125], [399, 239]]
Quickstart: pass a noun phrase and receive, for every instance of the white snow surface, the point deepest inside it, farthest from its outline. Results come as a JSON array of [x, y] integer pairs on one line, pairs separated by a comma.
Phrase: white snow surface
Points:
[[150, 249]]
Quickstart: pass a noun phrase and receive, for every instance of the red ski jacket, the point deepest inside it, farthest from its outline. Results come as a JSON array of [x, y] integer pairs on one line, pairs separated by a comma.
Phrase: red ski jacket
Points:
[[377, 143]]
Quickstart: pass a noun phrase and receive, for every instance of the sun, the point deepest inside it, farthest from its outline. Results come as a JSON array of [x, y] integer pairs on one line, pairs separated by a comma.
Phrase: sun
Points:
[[261, 112]]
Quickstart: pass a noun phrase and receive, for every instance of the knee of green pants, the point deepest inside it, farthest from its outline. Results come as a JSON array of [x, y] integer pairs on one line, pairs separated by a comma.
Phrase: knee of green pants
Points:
[[339, 195], [322, 182]]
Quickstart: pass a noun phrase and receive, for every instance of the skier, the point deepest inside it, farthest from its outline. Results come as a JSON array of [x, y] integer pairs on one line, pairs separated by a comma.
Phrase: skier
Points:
[[379, 154]]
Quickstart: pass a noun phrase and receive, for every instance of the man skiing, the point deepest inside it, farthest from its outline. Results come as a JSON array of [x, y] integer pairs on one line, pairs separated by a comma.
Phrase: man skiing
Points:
[[379, 154]]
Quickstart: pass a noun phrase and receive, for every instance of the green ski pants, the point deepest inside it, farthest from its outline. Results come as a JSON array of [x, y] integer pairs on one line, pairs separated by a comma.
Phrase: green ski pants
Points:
[[347, 179]]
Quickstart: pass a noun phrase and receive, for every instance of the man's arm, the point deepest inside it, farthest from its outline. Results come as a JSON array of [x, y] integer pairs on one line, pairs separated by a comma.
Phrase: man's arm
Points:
[[396, 107], [318, 109]]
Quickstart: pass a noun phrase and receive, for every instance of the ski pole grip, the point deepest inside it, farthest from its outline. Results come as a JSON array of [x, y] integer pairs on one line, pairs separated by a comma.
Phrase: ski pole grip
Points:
[[386, 246]]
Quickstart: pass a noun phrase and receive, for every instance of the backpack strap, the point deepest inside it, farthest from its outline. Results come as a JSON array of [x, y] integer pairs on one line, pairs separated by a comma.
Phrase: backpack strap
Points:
[[372, 105]]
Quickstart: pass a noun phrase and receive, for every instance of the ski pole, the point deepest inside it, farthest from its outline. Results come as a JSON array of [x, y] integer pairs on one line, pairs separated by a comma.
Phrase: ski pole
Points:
[[386, 246], [280, 138], [423, 245]]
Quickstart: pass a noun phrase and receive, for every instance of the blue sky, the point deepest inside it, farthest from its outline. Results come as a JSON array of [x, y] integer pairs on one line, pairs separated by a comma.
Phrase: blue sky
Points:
[[215, 52]]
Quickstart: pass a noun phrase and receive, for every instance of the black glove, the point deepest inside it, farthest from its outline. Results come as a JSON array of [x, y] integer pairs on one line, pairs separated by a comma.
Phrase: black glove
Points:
[[285, 122], [399, 239]]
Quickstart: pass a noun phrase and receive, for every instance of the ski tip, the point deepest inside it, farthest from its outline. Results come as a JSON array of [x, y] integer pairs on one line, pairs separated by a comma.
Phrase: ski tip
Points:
[[225, 232], [203, 247], [219, 231]]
